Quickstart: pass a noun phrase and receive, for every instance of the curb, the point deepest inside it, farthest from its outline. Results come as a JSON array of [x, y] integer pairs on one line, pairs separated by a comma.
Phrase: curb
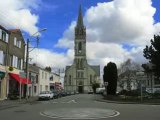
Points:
[[118, 102]]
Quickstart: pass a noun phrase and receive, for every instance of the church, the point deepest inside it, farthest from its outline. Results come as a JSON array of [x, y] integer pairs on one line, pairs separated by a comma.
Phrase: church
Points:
[[80, 75]]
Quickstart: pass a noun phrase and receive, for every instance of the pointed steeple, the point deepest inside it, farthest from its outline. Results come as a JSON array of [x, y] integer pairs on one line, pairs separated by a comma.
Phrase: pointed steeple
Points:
[[80, 18]]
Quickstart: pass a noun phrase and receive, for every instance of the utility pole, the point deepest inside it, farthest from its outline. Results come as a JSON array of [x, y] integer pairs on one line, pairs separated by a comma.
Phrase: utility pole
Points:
[[27, 56]]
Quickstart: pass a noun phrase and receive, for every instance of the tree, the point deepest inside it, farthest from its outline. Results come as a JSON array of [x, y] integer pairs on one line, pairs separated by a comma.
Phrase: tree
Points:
[[127, 70], [152, 53], [110, 76], [48, 69], [95, 86]]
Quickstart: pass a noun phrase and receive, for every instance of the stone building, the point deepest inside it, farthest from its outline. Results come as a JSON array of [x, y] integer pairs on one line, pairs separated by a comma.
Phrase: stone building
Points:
[[12, 52], [4, 39], [34, 77], [80, 75]]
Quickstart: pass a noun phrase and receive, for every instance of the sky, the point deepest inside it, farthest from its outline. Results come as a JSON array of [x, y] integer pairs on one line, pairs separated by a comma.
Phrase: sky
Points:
[[116, 30]]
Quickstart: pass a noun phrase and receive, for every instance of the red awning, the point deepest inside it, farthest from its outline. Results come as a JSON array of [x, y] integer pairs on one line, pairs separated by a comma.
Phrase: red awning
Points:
[[19, 79]]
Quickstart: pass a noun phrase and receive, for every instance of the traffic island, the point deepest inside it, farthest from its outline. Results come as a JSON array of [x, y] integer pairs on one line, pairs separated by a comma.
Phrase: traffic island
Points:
[[130, 99]]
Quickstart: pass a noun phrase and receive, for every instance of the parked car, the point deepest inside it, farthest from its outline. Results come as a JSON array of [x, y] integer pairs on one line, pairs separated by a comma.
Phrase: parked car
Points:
[[46, 95], [63, 93], [56, 94], [90, 92]]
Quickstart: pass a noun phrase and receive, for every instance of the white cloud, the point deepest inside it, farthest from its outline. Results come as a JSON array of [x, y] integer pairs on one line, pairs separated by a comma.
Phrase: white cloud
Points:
[[45, 57], [121, 21], [17, 14], [112, 24]]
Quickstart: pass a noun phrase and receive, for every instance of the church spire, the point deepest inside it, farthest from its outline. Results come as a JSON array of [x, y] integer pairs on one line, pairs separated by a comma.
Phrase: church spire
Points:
[[80, 18]]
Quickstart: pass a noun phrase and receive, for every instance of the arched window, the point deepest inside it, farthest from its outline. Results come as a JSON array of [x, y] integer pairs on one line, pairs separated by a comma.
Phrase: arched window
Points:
[[80, 47], [70, 81]]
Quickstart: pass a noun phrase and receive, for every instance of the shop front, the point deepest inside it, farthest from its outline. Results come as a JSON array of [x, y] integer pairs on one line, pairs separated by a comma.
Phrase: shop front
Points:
[[2, 83], [17, 86]]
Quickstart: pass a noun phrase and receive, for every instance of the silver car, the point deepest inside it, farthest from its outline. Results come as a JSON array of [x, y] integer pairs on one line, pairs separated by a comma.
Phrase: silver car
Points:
[[46, 95]]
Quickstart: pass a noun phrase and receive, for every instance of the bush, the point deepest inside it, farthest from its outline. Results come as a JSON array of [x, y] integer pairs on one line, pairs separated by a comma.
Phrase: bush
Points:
[[130, 93]]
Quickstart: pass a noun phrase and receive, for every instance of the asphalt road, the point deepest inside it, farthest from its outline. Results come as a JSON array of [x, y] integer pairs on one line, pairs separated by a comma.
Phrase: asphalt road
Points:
[[80, 107]]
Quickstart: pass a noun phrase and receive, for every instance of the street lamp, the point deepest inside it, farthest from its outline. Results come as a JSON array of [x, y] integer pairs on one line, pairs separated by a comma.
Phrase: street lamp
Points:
[[141, 74], [105, 85], [27, 55]]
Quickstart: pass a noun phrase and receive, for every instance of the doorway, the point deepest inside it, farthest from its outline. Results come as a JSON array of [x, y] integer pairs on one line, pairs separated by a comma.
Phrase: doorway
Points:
[[80, 89]]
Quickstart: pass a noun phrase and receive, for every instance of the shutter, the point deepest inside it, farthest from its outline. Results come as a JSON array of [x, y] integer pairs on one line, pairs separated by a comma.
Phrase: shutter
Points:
[[19, 44], [1, 57], [7, 38], [13, 61], [16, 62], [21, 64], [15, 41]]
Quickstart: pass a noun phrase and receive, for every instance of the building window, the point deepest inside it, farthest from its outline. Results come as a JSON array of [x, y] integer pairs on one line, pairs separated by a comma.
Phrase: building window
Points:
[[82, 74], [15, 61], [51, 78], [36, 78], [80, 47], [46, 88], [46, 76], [17, 42]]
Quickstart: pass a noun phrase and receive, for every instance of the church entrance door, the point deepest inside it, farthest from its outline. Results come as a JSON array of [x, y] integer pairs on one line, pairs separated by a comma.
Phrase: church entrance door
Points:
[[80, 89]]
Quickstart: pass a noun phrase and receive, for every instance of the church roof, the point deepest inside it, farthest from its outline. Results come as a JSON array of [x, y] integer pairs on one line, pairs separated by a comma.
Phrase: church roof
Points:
[[96, 68], [80, 18]]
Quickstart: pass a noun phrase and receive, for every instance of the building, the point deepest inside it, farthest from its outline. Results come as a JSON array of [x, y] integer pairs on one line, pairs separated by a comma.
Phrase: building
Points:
[[80, 75], [4, 39], [48, 81], [12, 52], [34, 77], [44, 81], [55, 83], [16, 55]]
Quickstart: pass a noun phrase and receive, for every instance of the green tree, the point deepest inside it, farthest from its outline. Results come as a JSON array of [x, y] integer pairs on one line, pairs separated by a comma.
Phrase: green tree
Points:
[[95, 86], [110, 76], [152, 53]]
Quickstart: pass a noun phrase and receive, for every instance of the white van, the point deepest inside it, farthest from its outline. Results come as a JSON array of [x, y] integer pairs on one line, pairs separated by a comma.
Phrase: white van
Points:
[[100, 90]]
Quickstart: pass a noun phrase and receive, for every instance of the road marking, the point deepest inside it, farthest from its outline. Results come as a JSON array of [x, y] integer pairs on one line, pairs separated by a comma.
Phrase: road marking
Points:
[[80, 113], [72, 101]]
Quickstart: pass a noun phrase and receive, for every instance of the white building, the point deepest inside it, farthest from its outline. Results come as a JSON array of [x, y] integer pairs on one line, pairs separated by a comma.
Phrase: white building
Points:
[[44, 80]]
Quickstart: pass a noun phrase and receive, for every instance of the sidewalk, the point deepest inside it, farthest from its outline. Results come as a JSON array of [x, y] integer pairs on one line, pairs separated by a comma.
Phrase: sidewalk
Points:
[[4, 104]]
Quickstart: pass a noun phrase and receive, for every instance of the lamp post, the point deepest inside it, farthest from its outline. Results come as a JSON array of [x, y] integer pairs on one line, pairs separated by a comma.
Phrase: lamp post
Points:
[[141, 74], [105, 85], [27, 56]]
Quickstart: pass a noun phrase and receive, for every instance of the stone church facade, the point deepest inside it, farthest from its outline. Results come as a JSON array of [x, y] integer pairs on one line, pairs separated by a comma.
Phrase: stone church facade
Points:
[[80, 75]]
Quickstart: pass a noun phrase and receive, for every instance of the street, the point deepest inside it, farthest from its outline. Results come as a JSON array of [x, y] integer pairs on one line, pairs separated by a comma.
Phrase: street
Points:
[[82, 106]]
